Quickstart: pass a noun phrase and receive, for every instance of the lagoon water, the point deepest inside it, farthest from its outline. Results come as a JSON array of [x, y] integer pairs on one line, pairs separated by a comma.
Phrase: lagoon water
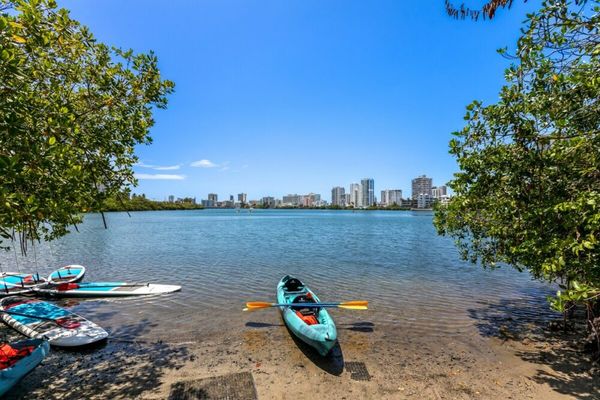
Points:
[[413, 278]]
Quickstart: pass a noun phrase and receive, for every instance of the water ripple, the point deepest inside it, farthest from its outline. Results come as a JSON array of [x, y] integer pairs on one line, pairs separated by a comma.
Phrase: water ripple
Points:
[[413, 278]]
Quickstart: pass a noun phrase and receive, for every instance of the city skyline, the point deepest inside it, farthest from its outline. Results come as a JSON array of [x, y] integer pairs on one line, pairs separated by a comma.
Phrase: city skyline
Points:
[[250, 194], [328, 99], [358, 195]]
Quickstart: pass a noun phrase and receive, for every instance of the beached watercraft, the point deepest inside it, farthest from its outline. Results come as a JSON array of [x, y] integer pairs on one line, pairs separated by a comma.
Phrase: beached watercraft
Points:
[[18, 359], [106, 289], [67, 274], [40, 319], [312, 325], [14, 283]]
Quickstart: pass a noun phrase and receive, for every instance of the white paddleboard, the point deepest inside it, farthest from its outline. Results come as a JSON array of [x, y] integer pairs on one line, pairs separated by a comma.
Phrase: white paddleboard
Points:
[[13, 283], [67, 330], [107, 289]]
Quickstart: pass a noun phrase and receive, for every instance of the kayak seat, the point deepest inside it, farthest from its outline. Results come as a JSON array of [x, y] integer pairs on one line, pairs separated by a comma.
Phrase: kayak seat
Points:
[[293, 285], [305, 310]]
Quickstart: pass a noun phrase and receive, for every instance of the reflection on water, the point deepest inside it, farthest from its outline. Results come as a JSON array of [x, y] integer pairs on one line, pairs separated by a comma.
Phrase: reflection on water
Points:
[[413, 278]]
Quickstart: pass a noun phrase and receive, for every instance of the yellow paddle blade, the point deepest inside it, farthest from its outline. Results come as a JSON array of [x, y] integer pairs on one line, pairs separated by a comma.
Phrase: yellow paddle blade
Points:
[[355, 303], [353, 307]]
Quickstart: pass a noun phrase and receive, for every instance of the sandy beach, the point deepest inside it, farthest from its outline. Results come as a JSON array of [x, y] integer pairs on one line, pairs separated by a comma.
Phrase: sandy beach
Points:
[[262, 360]]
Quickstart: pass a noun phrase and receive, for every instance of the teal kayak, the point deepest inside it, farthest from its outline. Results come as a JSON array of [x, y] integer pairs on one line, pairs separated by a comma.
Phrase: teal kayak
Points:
[[18, 359], [312, 325]]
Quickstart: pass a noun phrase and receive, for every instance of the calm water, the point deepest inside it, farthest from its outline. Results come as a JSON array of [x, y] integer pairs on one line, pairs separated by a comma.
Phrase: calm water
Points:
[[412, 277]]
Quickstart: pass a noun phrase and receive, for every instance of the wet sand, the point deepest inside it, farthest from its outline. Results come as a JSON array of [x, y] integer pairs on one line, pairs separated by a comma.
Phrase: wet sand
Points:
[[501, 358]]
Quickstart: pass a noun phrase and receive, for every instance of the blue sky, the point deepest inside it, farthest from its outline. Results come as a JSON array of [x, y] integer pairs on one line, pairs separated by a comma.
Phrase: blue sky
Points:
[[277, 97]]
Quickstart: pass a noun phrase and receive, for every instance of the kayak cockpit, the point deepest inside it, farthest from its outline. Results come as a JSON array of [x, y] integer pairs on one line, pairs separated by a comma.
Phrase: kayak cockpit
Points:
[[309, 315]]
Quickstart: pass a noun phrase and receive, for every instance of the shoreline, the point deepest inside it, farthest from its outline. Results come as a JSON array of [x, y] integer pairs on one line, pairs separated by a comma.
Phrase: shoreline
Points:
[[518, 361], [246, 210]]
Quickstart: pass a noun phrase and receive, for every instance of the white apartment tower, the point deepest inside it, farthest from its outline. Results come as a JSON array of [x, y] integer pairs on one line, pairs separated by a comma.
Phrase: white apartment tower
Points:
[[338, 196], [438, 192], [391, 196], [355, 197], [421, 185]]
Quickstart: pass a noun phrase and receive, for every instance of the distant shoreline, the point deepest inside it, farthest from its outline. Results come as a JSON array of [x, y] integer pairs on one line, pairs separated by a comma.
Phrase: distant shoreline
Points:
[[247, 210]]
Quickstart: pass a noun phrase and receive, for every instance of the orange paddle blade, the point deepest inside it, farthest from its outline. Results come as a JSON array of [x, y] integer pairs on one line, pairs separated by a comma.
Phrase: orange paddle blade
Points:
[[257, 305]]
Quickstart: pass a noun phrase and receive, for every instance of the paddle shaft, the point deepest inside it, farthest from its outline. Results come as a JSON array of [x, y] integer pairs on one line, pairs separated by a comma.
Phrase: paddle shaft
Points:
[[298, 305], [303, 305]]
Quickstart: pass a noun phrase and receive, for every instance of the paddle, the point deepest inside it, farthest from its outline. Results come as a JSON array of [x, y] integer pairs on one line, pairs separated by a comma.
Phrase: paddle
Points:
[[63, 322], [349, 305]]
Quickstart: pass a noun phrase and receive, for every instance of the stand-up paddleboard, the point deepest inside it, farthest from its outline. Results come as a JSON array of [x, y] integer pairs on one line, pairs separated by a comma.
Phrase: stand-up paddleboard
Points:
[[40, 319], [67, 274], [18, 359], [106, 289], [12, 283]]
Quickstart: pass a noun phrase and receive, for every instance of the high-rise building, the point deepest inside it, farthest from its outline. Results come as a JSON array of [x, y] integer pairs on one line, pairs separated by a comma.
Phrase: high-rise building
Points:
[[171, 199], [242, 198], [421, 185], [424, 200], [367, 192], [355, 197], [268, 202], [291, 200], [338, 196], [438, 192], [311, 199], [212, 200], [390, 197], [347, 199]]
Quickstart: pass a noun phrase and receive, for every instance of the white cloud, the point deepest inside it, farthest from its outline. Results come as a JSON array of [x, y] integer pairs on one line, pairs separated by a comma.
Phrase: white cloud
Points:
[[204, 164], [160, 177], [158, 167]]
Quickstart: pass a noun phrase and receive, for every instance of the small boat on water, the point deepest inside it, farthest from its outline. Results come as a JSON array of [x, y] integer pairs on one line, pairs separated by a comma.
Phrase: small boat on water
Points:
[[67, 274], [39, 319], [18, 359], [105, 289], [313, 325]]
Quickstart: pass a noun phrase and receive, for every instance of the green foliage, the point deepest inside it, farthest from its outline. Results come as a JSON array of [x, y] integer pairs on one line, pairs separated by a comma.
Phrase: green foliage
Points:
[[528, 190], [122, 202], [71, 112]]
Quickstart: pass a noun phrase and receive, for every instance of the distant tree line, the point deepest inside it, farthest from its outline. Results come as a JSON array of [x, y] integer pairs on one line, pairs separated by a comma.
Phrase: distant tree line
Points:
[[124, 202]]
